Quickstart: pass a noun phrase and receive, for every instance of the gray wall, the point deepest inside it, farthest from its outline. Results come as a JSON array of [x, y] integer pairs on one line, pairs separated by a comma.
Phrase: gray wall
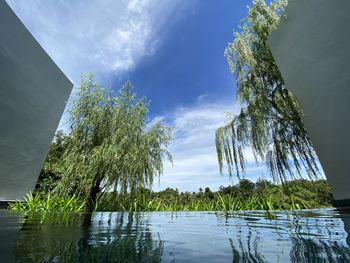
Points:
[[312, 50], [33, 94]]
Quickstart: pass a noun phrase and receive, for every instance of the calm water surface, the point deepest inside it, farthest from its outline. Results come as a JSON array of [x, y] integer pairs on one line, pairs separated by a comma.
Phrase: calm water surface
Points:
[[304, 236]]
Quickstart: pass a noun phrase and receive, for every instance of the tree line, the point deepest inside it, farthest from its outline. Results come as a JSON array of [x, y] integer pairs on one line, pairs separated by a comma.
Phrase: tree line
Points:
[[245, 195]]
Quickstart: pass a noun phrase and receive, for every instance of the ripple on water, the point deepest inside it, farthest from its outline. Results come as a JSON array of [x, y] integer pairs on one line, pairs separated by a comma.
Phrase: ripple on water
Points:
[[244, 236]]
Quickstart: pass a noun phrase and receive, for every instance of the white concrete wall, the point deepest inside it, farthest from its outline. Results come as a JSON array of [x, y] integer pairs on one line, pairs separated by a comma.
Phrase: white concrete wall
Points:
[[312, 50], [33, 94]]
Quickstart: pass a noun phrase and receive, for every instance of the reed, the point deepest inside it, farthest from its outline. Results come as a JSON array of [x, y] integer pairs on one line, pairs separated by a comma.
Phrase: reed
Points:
[[246, 195], [48, 203], [220, 202]]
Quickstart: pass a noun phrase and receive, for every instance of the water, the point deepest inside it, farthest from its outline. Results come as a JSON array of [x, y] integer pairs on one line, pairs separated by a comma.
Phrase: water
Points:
[[304, 236]]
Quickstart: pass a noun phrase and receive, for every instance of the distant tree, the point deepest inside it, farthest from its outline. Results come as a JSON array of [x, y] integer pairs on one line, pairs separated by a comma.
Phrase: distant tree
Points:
[[262, 185], [111, 145], [185, 197], [270, 119], [228, 190], [168, 193], [324, 192], [208, 193], [245, 188]]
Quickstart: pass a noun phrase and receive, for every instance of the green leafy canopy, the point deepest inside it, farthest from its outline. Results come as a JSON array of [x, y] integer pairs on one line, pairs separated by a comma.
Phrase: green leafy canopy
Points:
[[270, 118], [111, 144]]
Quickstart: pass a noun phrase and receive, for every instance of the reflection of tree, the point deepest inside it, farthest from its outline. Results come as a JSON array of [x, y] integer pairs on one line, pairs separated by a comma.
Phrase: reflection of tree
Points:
[[313, 250], [246, 252], [124, 237], [244, 244], [113, 237], [310, 245], [307, 239], [243, 255]]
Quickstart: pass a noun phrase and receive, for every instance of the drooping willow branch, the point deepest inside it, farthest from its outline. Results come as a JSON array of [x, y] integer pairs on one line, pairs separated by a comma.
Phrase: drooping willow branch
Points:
[[270, 121]]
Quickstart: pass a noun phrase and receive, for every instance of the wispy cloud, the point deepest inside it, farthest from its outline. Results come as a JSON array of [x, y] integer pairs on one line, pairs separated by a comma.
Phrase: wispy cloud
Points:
[[112, 37], [193, 148], [98, 35]]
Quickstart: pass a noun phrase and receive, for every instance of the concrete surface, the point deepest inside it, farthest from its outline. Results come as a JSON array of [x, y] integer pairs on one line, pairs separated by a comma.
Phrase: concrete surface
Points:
[[312, 49], [33, 94]]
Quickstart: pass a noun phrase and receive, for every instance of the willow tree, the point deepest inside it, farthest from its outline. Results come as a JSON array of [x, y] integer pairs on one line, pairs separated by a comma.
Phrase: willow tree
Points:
[[269, 122], [50, 172], [111, 145]]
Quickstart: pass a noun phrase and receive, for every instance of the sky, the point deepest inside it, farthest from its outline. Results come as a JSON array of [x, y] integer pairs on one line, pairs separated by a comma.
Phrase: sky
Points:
[[172, 51]]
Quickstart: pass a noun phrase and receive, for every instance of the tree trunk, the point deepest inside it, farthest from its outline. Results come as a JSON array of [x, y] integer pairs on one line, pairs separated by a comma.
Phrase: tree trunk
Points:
[[91, 201]]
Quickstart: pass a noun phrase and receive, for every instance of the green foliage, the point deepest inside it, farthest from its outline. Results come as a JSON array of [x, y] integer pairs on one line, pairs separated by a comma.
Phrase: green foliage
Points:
[[110, 146], [48, 203], [52, 168], [246, 195], [270, 119]]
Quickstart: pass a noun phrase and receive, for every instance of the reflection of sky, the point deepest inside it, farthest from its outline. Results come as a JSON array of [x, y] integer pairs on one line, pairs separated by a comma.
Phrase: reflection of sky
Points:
[[304, 236], [204, 236]]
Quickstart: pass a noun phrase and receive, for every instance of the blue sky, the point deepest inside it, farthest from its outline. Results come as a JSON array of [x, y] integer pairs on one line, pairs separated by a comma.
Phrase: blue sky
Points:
[[173, 53]]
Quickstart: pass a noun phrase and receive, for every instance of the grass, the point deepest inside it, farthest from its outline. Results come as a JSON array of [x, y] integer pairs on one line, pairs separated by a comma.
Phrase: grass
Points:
[[245, 195], [48, 203], [219, 203]]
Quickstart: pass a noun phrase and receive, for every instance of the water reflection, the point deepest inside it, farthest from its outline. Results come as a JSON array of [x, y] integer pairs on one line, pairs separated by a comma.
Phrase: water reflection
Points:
[[320, 239], [101, 237], [9, 231], [307, 236]]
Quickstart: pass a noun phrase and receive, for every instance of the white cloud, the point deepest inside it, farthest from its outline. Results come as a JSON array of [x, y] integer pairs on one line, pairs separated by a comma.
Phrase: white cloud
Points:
[[98, 35], [113, 36], [193, 148]]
